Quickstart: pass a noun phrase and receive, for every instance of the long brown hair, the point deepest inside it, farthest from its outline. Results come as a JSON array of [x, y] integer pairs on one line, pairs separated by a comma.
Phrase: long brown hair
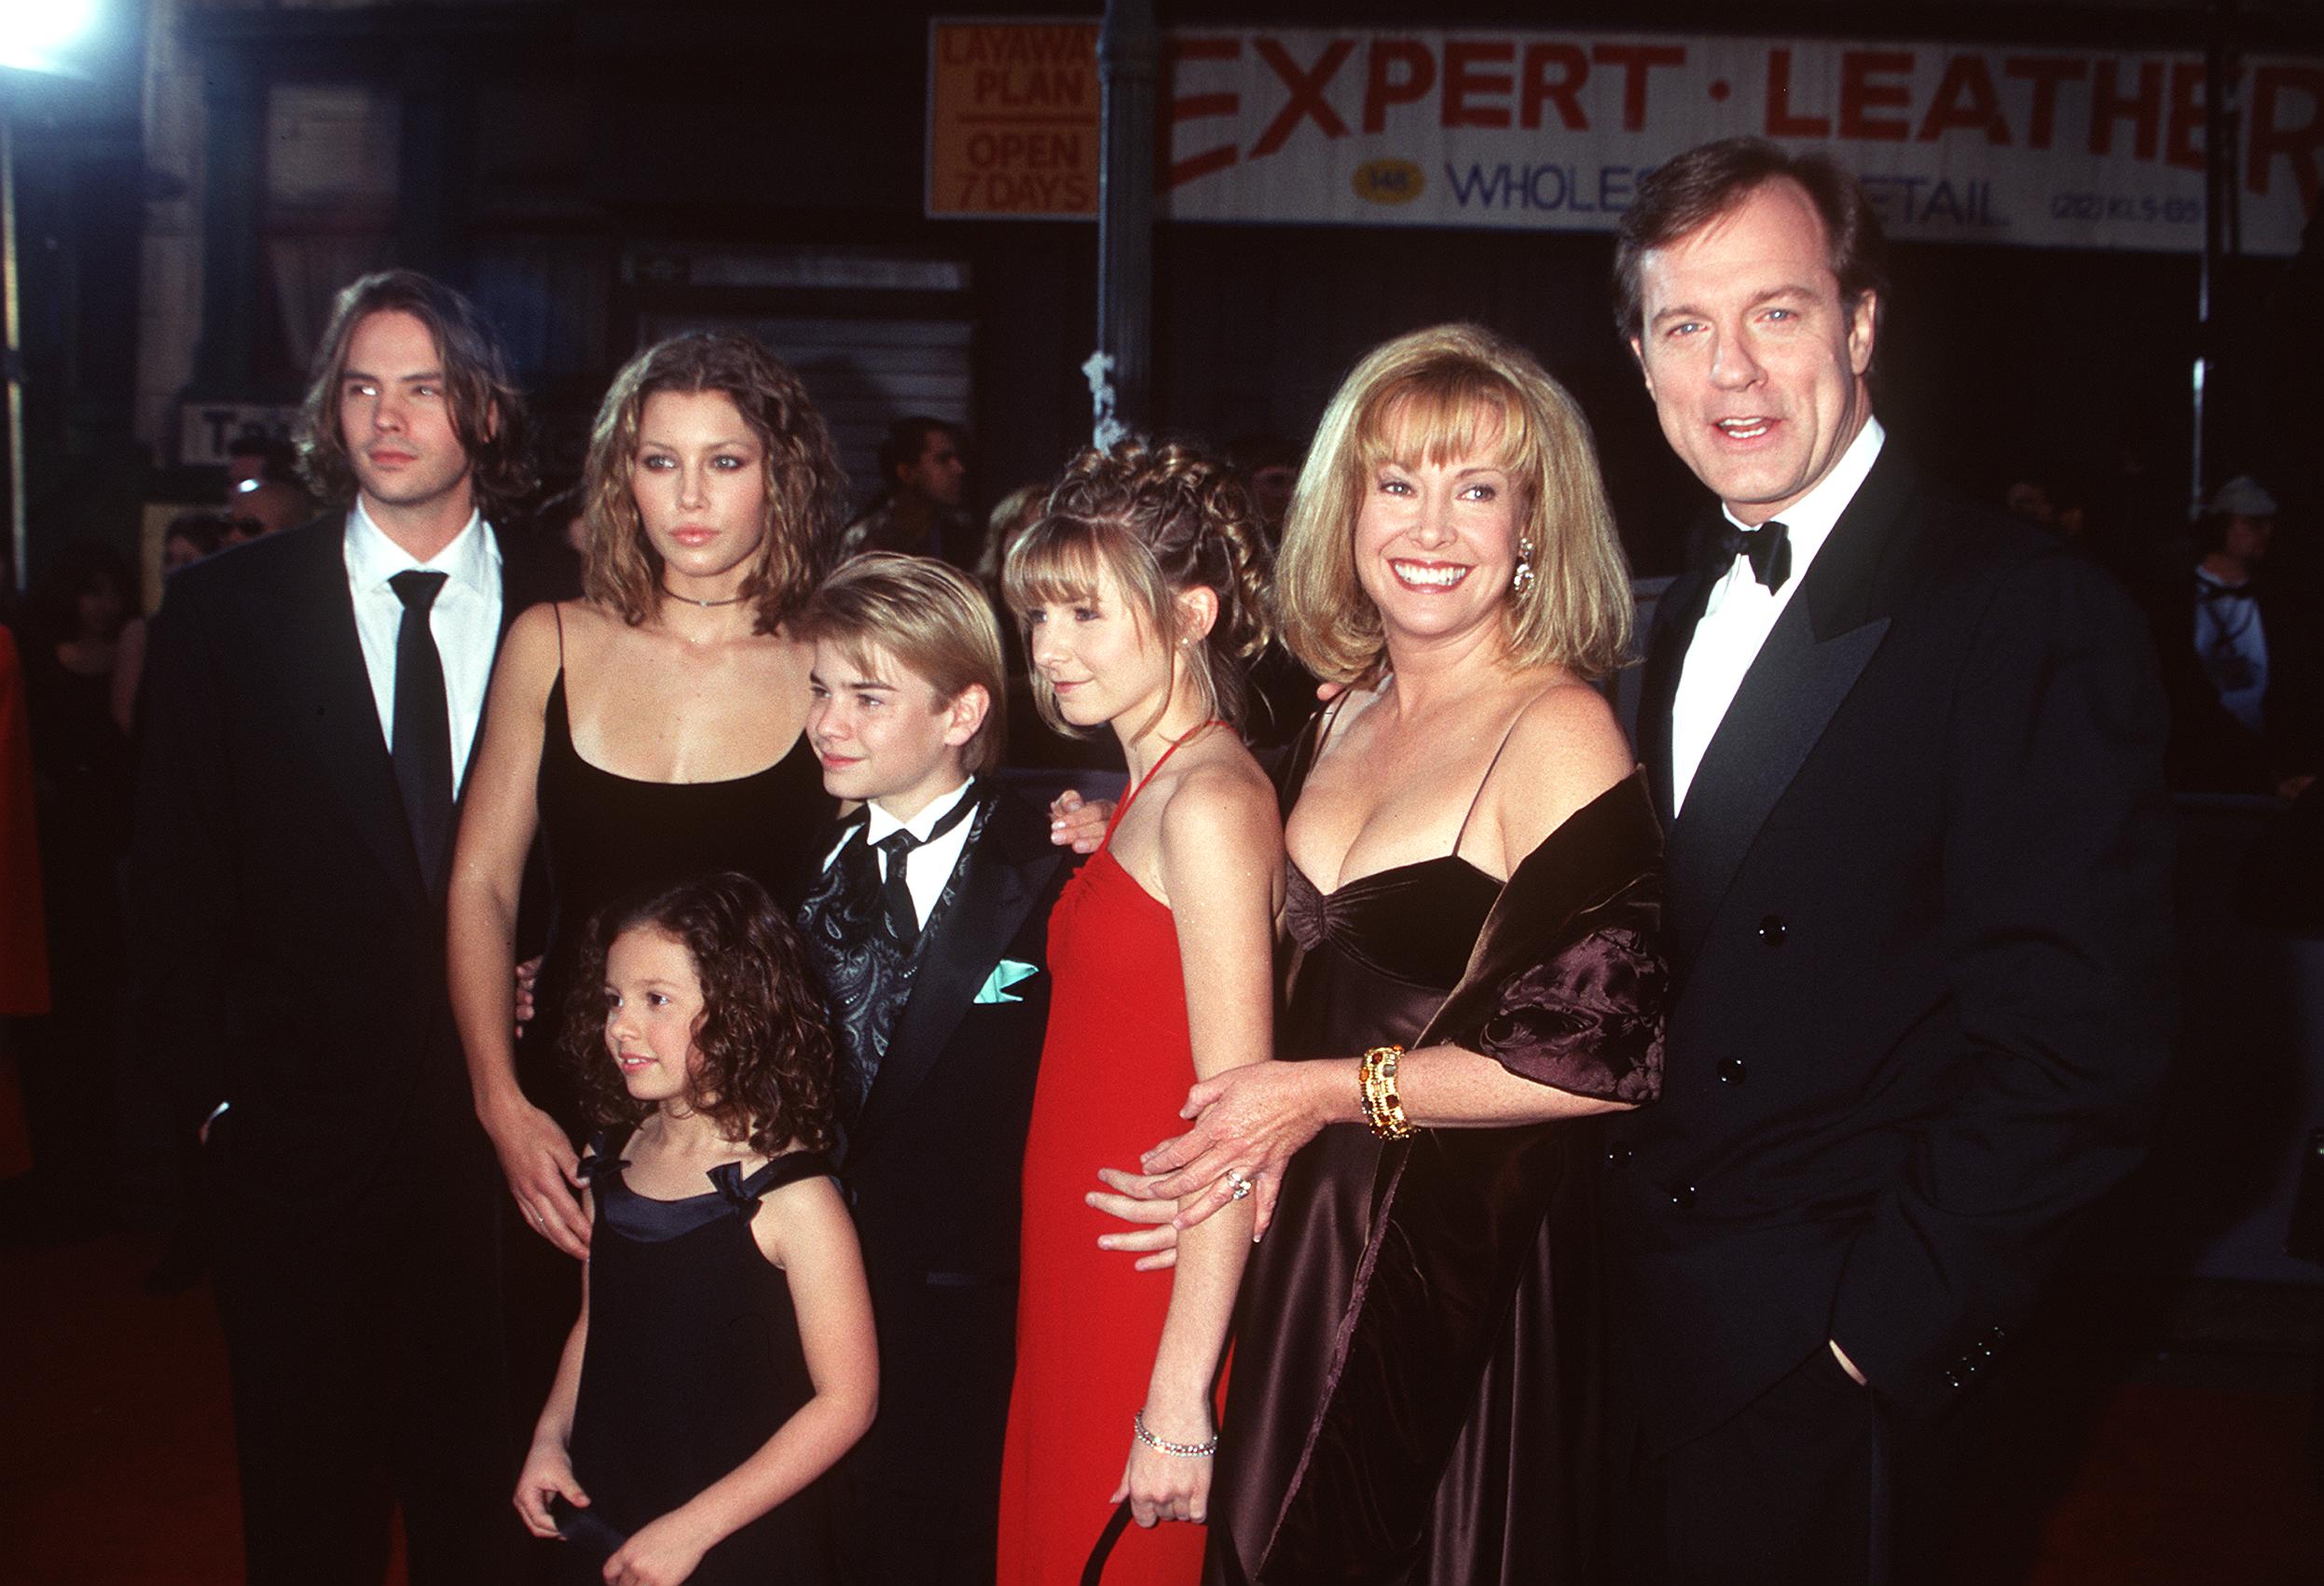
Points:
[[766, 1058], [805, 485], [487, 408]]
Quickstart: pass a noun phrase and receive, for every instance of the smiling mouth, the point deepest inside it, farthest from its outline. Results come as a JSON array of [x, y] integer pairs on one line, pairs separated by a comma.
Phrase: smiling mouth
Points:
[[1428, 574], [1745, 429], [631, 1063], [838, 762]]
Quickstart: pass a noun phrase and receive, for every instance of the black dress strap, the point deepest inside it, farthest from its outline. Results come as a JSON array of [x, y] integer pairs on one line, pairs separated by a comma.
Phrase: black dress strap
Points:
[[601, 1160], [744, 1195]]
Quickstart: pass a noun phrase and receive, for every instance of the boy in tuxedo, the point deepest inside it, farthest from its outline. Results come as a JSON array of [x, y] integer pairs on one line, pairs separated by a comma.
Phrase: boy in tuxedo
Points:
[[930, 924]]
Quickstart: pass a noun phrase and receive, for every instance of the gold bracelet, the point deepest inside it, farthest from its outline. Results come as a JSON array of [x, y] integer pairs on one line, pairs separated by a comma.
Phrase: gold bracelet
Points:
[[1383, 1115]]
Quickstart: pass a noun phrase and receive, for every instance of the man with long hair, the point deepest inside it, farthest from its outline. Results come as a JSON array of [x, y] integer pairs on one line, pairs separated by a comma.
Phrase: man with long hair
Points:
[[309, 710]]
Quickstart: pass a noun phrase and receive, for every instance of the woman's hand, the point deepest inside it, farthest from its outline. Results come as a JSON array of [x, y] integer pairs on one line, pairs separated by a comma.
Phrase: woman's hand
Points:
[[1167, 1486], [549, 1473], [1078, 823], [540, 1163], [664, 1553], [1131, 1197], [1248, 1123]]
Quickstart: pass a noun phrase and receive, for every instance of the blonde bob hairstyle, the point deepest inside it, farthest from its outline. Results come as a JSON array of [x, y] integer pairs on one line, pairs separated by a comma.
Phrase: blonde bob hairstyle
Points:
[[799, 469], [932, 620], [1162, 519], [1447, 394]]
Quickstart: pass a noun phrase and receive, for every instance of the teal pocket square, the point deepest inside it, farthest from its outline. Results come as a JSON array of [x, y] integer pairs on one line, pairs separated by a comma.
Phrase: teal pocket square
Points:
[[1006, 973]]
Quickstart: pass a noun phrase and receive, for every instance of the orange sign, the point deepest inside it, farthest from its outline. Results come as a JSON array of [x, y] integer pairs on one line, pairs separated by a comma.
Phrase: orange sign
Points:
[[1013, 120]]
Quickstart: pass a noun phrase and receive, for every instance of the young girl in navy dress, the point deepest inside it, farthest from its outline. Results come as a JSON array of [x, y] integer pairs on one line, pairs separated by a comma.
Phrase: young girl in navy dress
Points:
[[724, 1359]]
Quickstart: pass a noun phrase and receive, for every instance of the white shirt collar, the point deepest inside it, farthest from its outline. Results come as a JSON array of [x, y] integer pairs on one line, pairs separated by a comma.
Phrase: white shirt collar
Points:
[[883, 825], [1807, 522], [472, 560]]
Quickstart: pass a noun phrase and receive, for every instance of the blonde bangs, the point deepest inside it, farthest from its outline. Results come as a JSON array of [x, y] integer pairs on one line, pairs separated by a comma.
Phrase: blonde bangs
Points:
[[1447, 415]]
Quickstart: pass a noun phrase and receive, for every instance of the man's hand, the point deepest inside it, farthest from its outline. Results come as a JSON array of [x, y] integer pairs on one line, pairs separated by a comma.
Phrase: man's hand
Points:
[[1133, 1200], [540, 1167], [1078, 823]]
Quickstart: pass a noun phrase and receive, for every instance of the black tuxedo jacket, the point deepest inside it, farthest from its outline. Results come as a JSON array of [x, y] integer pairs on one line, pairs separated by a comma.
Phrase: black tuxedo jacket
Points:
[[1918, 903], [934, 1163], [289, 958]]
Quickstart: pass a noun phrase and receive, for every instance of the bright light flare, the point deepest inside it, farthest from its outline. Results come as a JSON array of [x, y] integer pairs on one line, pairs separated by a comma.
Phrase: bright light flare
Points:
[[36, 35]]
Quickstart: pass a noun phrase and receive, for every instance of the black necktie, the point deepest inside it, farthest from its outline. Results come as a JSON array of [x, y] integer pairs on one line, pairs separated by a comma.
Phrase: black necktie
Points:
[[1769, 549], [423, 725], [903, 920]]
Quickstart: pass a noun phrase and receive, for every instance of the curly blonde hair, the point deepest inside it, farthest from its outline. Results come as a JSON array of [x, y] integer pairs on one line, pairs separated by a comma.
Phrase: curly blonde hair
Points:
[[1163, 518], [806, 490], [1442, 394]]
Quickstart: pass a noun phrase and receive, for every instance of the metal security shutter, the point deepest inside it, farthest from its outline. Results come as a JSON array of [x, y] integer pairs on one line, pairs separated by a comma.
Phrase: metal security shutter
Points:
[[863, 373]]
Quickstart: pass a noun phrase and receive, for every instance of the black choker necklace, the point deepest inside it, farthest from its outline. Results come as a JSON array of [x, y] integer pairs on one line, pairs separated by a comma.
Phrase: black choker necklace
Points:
[[706, 605]]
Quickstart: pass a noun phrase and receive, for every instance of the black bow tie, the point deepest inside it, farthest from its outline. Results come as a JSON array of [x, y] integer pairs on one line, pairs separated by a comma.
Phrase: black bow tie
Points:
[[1769, 549]]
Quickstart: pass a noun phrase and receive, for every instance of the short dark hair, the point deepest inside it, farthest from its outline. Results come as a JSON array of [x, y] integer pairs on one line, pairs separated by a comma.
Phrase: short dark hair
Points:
[[487, 410], [1712, 180], [906, 439]]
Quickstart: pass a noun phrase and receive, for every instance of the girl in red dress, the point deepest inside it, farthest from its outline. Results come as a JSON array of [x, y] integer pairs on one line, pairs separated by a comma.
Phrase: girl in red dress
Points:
[[1142, 591]]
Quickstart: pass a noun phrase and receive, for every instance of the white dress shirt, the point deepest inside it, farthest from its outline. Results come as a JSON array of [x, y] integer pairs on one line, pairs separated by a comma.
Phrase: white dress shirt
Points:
[[929, 866], [1741, 612], [465, 621], [2233, 647]]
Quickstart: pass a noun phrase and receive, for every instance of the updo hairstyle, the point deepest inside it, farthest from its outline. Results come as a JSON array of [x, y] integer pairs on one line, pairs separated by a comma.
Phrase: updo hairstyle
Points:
[[1164, 517]]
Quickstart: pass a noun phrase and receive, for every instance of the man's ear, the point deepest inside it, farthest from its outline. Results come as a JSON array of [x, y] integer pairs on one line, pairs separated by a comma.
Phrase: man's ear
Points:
[[1638, 351], [492, 421], [968, 709], [1864, 324]]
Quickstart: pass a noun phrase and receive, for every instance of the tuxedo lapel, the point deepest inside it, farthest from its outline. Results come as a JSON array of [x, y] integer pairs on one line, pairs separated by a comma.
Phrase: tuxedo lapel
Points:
[[1812, 659], [1007, 867], [330, 688]]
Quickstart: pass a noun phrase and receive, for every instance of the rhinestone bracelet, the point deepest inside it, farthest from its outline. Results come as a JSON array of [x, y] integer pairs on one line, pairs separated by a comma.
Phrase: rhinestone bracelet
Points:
[[1177, 1450], [1383, 1115]]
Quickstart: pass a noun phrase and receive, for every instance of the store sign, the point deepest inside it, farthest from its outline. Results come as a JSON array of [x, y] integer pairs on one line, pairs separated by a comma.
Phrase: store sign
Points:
[[1553, 131], [206, 429], [1012, 118]]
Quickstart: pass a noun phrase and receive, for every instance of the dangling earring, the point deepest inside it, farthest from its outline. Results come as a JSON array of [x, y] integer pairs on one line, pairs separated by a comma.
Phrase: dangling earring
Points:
[[1523, 578]]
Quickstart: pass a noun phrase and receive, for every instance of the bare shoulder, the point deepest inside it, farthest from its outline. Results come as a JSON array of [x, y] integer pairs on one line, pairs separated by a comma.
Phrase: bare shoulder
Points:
[[529, 653], [801, 1219], [1223, 799], [1565, 749]]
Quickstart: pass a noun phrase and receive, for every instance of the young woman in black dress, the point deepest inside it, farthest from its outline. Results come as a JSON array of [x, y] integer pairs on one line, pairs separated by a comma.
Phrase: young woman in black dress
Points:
[[652, 731], [724, 1359]]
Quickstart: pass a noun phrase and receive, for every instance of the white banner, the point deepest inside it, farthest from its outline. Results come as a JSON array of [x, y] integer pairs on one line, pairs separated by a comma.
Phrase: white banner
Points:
[[2028, 146]]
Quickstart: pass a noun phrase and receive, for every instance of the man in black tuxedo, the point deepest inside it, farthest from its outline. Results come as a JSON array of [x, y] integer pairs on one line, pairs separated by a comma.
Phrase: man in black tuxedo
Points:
[[931, 923], [1908, 754], [310, 702]]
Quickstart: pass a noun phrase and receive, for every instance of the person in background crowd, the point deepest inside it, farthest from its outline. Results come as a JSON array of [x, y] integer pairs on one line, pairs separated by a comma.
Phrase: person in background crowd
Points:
[[1908, 755], [647, 733], [1269, 467], [249, 458], [1004, 526], [2029, 498], [930, 927], [257, 507], [190, 537], [1144, 592], [310, 709], [924, 478], [82, 774], [2246, 690]]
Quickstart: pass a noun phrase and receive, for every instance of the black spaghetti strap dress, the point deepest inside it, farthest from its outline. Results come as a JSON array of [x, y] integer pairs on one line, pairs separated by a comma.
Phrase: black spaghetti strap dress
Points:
[[693, 1362], [611, 838]]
